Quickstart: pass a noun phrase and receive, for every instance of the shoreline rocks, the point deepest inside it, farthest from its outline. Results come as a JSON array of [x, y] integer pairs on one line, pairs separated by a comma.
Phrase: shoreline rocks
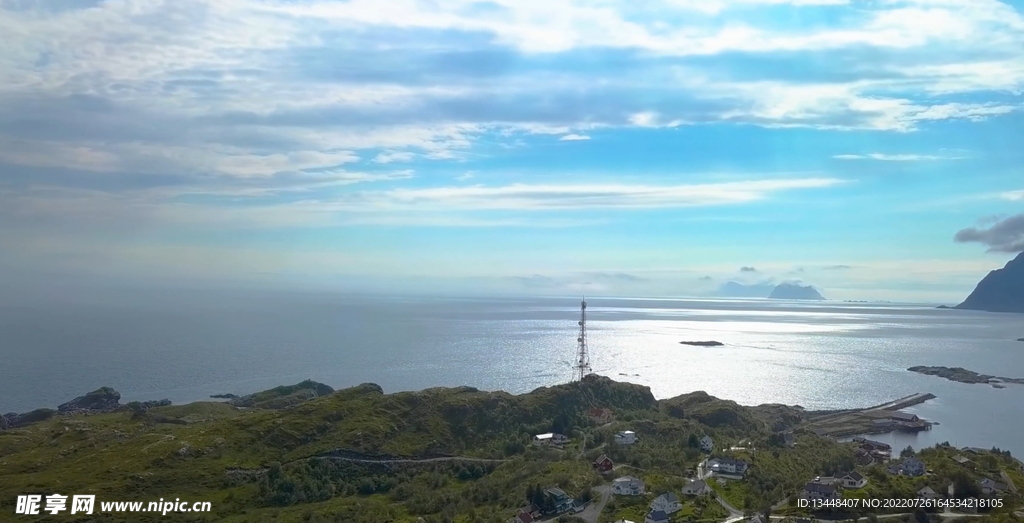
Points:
[[703, 343], [99, 401], [963, 375]]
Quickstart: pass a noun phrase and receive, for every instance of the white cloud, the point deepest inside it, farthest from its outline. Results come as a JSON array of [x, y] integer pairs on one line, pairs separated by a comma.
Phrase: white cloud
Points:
[[1015, 196], [394, 156], [573, 137], [895, 157], [525, 197]]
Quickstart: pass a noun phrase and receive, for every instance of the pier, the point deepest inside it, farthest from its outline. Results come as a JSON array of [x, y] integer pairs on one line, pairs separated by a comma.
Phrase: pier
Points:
[[879, 419]]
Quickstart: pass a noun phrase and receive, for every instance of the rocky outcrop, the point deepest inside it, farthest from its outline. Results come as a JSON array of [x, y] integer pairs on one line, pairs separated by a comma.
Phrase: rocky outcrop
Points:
[[104, 399], [963, 375], [13, 420], [795, 291], [285, 396], [1001, 291]]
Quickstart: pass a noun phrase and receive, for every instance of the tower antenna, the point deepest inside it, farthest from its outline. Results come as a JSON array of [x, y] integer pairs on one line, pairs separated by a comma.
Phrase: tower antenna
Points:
[[582, 365]]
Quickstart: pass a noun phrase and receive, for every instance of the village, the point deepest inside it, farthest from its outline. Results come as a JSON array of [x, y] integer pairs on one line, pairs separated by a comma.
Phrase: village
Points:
[[713, 477]]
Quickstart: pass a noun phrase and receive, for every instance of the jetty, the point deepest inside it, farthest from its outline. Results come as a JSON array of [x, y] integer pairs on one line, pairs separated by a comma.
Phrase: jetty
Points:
[[879, 419]]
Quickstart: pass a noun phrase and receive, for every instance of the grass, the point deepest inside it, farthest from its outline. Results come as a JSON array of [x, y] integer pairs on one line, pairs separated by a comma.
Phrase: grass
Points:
[[191, 452]]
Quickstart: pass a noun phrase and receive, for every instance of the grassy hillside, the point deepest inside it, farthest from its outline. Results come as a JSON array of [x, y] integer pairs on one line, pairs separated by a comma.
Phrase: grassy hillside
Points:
[[359, 455]]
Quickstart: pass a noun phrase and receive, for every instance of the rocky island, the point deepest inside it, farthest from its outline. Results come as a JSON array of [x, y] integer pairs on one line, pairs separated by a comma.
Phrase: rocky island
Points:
[[703, 343], [795, 291], [1001, 291], [963, 375]]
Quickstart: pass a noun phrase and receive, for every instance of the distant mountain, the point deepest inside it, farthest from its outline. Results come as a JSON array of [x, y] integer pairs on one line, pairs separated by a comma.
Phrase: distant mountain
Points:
[[1001, 291], [735, 289], [795, 291]]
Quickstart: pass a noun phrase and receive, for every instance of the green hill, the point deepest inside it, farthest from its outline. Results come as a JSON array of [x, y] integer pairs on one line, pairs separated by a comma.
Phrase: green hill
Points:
[[303, 453]]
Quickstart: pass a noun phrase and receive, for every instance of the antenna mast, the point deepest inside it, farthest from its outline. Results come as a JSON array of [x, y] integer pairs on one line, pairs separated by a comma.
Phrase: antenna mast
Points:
[[582, 366]]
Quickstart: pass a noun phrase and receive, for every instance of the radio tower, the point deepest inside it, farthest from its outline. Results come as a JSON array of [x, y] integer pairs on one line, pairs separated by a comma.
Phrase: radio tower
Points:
[[582, 366]]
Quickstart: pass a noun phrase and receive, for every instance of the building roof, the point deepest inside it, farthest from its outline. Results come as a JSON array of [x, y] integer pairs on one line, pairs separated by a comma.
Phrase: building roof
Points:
[[626, 432], [904, 416], [878, 444], [961, 459], [854, 475], [657, 515], [602, 459], [927, 491], [546, 435], [627, 479], [698, 484], [994, 485], [524, 517], [668, 497], [731, 461], [556, 492], [819, 487]]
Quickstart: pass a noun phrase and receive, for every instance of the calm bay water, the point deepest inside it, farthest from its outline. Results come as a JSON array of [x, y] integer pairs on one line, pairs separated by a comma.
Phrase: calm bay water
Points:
[[821, 356]]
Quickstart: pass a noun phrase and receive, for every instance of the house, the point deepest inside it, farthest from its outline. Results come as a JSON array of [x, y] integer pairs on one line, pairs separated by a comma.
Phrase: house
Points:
[[873, 446], [990, 487], [667, 503], [927, 493], [963, 460], [550, 439], [912, 467], [730, 466], [628, 486], [909, 467], [601, 415], [904, 417], [852, 480], [656, 516], [707, 444], [525, 515], [603, 464], [696, 487], [561, 500], [815, 490], [626, 437]]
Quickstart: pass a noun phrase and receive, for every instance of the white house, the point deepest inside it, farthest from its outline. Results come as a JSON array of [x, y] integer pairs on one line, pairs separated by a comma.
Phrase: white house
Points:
[[730, 466], [667, 503], [656, 516], [852, 480], [696, 487], [626, 437], [814, 490], [707, 444], [628, 486], [550, 439], [912, 467]]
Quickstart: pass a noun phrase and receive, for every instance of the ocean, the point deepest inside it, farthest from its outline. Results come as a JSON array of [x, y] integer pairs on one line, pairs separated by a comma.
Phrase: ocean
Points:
[[187, 345]]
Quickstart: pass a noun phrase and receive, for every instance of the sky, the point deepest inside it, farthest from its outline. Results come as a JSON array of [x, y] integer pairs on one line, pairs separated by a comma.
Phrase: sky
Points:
[[871, 148]]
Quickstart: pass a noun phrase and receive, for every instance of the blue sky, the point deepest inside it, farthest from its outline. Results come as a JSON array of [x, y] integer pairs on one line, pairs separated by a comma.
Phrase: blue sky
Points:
[[523, 146]]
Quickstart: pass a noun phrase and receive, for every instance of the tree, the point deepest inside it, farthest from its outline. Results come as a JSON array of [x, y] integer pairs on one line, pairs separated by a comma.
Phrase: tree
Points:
[[907, 452], [692, 441]]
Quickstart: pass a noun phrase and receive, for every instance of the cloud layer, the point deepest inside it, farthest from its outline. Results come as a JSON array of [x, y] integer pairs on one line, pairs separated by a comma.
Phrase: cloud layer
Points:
[[1006, 235]]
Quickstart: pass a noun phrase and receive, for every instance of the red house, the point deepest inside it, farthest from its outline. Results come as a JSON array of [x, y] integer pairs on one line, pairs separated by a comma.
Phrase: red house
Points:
[[603, 464]]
